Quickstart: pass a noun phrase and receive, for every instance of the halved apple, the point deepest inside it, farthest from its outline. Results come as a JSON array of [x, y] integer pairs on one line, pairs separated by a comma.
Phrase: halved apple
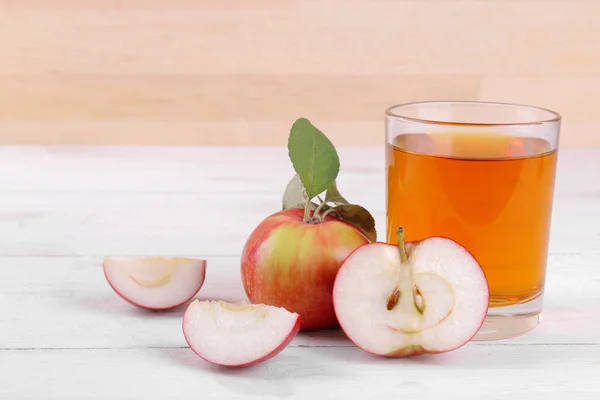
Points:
[[238, 334], [155, 283], [423, 297]]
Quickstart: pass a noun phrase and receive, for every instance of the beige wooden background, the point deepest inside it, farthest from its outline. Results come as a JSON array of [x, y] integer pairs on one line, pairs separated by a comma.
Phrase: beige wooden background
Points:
[[240, 71]]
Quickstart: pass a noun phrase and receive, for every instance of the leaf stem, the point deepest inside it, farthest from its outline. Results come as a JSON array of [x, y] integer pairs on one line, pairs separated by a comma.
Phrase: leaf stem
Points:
[[318, 210], [307, 211], [326, 213]]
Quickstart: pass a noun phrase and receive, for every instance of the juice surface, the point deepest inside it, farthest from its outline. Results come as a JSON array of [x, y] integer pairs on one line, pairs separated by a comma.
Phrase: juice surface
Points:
[[491, 193]]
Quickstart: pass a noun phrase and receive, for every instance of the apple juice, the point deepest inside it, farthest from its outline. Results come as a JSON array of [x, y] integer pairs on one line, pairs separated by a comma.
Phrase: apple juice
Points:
[[492, 193]]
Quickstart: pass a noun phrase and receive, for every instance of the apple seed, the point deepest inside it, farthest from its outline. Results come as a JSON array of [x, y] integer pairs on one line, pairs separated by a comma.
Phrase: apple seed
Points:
[[419, 300], [393, 300]]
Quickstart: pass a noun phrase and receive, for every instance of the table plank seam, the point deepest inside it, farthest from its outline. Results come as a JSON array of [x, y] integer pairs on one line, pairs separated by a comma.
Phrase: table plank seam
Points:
[[301, 346], [215, 256]]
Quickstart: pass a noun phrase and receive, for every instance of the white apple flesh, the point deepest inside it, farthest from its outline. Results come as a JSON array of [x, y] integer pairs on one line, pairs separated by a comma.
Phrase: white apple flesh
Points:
[[155, 283], [423, 297], [238, 334]]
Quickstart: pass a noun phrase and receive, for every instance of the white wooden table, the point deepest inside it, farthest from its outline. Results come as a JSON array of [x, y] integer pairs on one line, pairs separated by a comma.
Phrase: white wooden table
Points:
[[65, 335]]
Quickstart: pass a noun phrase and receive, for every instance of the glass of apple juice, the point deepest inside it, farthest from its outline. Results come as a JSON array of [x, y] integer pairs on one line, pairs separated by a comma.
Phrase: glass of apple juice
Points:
[[481, 174]]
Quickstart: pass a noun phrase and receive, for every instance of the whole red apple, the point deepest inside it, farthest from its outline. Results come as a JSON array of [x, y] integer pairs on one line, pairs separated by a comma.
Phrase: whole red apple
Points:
[[289, 263]]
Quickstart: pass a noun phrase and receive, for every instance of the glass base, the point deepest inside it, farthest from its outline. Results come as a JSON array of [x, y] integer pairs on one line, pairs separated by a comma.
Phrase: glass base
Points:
[[508, 322]]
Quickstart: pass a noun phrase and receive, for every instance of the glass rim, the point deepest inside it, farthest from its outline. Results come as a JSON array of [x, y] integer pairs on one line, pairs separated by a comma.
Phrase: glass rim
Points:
[[389, 113]]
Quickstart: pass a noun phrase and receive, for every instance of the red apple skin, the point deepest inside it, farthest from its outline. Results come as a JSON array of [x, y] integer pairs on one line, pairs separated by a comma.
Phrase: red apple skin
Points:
[[266, 357], [292, 264], [417, 350]]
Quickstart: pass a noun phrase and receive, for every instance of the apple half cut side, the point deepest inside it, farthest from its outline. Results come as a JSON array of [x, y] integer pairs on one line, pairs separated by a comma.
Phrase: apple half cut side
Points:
[[238, 334], [429, 296], [153, 282]]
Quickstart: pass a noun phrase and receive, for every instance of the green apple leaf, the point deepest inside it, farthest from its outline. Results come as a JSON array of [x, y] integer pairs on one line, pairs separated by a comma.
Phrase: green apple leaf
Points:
[[334, 196], [358, 216], [294, 195], [313, 156]]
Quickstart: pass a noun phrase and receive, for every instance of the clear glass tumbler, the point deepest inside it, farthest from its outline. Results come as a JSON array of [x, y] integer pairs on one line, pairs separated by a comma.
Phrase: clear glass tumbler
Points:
[[482, 174]]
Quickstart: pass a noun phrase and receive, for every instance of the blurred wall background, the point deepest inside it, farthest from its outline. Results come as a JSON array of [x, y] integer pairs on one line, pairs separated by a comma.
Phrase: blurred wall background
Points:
[[239, 72]]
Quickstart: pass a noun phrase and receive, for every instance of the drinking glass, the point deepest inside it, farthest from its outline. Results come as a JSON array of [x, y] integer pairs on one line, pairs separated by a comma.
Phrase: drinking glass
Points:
[[482, 174]]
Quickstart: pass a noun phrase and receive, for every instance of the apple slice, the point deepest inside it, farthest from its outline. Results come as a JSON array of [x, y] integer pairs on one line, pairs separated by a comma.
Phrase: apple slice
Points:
[[155, 283], [423, 297], [238, 334]]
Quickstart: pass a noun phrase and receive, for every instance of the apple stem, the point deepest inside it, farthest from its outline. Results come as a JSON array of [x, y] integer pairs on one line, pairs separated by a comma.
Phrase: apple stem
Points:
[[418, 299], [403, 254]]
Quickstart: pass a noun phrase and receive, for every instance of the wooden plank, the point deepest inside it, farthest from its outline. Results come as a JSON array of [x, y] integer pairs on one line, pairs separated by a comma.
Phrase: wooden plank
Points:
[[214, 98], [70, 298], [258, 110], [187, 73], [97, 201], [496, 372], [192, 170], [225, 133], [571, 95], [76, 205], [62, 327], [155, 224], [372, 37], [182, 133], [77, 308]]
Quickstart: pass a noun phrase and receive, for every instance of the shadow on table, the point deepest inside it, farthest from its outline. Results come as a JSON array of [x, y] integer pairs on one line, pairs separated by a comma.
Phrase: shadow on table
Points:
[[113, 305], [330, 338], [271, 378], [471, 356]]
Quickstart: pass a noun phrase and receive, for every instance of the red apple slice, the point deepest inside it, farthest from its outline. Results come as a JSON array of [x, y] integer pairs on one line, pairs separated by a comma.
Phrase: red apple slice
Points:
[[155, 283], [238, 334], [433, 298]]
